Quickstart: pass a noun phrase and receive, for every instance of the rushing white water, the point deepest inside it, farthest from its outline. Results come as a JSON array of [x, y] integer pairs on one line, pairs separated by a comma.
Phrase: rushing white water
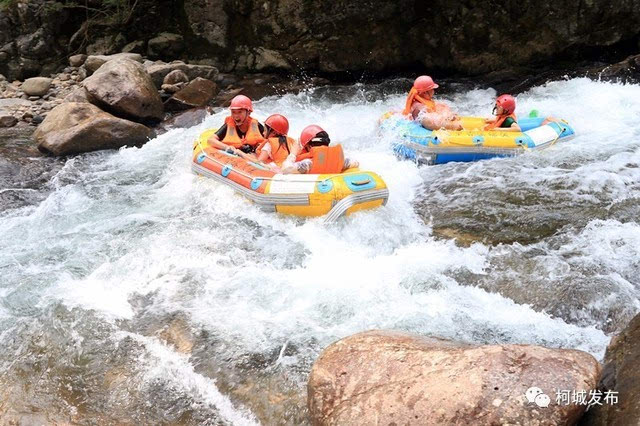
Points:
[[129, 240]]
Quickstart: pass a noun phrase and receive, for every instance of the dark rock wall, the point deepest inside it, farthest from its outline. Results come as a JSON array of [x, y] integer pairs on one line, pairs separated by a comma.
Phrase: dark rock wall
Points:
[[330, 37]]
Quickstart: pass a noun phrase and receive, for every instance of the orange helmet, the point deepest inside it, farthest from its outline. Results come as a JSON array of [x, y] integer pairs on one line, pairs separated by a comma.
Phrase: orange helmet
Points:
[[507, 102], [313, 133], [241, 102], [278, 123], [424, 83]]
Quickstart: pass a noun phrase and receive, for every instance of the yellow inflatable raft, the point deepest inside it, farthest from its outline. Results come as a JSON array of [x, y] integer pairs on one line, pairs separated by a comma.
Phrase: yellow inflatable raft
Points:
[[332, 195]]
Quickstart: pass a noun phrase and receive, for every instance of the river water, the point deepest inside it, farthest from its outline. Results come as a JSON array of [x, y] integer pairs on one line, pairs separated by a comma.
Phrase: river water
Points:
[[133, 292]]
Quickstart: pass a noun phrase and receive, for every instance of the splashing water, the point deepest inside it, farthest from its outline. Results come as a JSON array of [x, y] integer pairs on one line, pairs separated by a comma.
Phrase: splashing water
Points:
[[138, 292]]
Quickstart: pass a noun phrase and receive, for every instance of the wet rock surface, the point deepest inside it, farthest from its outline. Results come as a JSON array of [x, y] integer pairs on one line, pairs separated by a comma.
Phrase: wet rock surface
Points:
[[122, 87], [384, 377], [73, 127], [621, 375]]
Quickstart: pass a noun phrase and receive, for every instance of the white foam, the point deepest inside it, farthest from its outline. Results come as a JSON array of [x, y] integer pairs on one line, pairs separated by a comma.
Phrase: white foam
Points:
[[162, 363]]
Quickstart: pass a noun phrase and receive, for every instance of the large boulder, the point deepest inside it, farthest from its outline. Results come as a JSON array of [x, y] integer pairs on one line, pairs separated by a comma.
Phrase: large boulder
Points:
[[621, 376], [197, 93], [72, 128], [93, 62], [122, 87], [159, 70], [36, 86], [380, 377]]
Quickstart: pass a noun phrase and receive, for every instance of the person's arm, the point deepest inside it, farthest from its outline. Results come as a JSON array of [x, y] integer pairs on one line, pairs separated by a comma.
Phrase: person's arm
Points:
[[265, 153], [301, 167], [349, 163], [215, 140], [515, 127], [416, 109], [291, 158]]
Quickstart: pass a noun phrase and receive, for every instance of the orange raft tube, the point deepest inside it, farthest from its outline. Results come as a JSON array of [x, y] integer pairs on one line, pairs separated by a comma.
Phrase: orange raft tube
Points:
[[333, 195]]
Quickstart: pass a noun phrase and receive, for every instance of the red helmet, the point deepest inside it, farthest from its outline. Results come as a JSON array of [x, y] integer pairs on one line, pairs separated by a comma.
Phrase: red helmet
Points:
[[424, 83], [241, 102], [507, 102], [309, 133], [278, 123]]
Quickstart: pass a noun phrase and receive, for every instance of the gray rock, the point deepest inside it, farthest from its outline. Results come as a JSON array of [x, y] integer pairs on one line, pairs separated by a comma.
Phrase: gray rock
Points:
[[106, 45], [77, 60], [137, 46], [175, 76], [12, 103], [270, 60], [72, 128], [94, 62], [158, 71], [381, 377], [7, 120], [122, 87], [185, 119], [34, 45], [165, 45]]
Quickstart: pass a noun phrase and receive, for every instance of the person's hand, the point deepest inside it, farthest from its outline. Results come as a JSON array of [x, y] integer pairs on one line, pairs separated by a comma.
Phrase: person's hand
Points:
[[488, 120], [274, 167]]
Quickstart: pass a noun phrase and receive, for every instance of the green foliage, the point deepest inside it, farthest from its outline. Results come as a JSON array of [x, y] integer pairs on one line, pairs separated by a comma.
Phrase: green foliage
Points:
[[119, 11], [6, 3]]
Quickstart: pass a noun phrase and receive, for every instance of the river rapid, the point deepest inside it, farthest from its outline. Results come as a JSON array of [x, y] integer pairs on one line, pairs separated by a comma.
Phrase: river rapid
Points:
[[134, 292]]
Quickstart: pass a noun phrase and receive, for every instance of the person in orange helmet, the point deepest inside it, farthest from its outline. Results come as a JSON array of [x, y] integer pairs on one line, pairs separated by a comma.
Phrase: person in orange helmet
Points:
[[505, 117], [314, 155], [240, 133], [278, 146], [431, 114]]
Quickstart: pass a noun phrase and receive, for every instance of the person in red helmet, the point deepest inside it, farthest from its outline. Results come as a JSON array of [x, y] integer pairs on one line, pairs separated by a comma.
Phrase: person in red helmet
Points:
[[240, 133], [431, 114], [278, 145], [314, 155], [505, 117]]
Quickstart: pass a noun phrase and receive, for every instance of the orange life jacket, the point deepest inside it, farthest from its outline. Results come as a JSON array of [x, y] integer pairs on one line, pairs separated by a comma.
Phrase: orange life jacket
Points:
[[325, 159], [414, 97], [253, 136], [499, 121], [280, 152]]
